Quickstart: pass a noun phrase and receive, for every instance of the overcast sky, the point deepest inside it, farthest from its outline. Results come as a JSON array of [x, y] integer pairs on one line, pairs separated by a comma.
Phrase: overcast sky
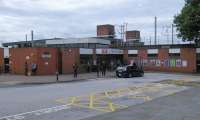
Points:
[[78, 18]]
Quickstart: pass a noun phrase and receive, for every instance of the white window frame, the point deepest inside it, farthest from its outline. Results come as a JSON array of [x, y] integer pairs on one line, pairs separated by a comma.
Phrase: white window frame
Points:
[[174, 50], [152, 51], [132, 52]]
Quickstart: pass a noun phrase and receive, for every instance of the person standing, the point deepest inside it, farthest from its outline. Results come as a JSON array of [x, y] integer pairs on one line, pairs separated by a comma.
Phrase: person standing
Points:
[[26, 69], [98, 69], [34, 68], [88, 67], [103, 69], [75, 67], [112, 66]]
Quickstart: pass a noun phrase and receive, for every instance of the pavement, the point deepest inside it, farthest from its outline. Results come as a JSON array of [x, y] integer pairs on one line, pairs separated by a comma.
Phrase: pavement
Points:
[[10, 80], [181, 106], [38, 101]]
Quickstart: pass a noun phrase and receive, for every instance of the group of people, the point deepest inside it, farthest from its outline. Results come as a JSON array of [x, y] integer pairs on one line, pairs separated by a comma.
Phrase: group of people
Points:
[[100, 68], [33, 69]]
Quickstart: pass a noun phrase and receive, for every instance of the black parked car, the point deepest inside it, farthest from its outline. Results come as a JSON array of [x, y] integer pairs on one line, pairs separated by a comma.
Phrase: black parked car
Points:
[[129, 71]]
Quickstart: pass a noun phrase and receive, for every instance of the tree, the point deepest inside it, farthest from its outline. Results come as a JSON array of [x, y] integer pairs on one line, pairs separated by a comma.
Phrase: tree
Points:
[[188, 21]]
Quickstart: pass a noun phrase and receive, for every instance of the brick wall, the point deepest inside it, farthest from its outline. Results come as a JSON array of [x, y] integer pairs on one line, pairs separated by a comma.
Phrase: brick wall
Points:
[[70, 56], [142, 54], [125, 56], [105, 30], [47, 66], [1, 59], [133, 35], [189, 54], [19, 56], [187, 60]]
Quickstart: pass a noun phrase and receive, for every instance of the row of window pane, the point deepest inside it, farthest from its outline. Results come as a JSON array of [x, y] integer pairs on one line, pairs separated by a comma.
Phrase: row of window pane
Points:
[[173, 55]]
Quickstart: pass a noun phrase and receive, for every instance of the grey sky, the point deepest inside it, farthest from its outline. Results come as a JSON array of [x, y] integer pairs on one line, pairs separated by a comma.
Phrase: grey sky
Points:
[[78, 18]]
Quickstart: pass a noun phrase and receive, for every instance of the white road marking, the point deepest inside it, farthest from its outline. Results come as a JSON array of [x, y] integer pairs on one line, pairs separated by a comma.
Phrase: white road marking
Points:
[[36, 112]]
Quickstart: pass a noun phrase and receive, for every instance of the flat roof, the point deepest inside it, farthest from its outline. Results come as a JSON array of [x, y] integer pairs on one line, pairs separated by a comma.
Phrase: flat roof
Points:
[[57, 42], [126, 46], [42, 41], [79, 41]]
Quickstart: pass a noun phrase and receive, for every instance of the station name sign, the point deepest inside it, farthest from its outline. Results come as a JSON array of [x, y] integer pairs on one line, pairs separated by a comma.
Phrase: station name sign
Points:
[[102, 51]]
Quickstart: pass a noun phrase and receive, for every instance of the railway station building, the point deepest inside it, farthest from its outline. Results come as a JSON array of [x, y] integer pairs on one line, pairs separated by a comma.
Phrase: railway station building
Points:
[[59, 54]]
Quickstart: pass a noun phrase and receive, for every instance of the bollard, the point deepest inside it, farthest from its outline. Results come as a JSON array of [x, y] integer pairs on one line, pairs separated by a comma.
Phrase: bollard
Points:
[[57, 79]]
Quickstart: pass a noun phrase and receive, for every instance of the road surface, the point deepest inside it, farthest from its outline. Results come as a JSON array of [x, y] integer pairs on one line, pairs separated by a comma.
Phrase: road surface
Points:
[[38, 102]]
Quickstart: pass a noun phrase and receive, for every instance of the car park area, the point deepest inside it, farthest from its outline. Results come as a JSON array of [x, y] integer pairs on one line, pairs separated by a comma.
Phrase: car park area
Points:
[[95, 97]]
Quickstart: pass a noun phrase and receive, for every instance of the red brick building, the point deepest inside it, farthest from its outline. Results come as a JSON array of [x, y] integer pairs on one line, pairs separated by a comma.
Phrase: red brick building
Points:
[[45, 58], [1, 60], [48, 60], [51, 60], [106, 31], [70, 56], [132, 35], [183, 59], [59, 54]]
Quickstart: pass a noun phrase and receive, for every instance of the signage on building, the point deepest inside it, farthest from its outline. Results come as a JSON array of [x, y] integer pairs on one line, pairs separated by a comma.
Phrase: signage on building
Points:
[[109, 51], [152, 51], [46, 55], [175, 50], [132, 51], [164, 63], [67, 51], [185, 64], [104, 51], [179, 63]]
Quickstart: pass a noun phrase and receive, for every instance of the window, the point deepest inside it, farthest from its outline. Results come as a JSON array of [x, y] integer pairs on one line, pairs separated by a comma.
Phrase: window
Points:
[[152, 56], [152, 53], [84, 59], [133, 55], [198, 56], [174, 55]]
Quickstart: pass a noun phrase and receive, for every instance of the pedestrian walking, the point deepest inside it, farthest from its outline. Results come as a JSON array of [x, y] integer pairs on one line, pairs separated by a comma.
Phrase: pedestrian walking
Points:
[[75, 67], [104, 69], [98, 69]]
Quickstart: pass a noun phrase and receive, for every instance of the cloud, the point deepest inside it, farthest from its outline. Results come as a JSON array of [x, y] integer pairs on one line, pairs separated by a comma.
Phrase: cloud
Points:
[[78, 18]]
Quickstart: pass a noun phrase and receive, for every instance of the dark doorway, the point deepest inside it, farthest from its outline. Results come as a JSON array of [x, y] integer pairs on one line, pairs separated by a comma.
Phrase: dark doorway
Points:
[[59, 60], [6, 65], [198, 63], [112, 61]]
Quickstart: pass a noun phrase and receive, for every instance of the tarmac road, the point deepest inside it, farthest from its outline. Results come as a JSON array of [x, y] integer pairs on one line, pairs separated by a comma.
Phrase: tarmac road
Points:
[[35, 102], [181, 106]]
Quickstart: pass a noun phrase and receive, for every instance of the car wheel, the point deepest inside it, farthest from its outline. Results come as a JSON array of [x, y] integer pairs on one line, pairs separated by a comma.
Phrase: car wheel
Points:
[[141, 74], [130, 75], [118, 75]]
